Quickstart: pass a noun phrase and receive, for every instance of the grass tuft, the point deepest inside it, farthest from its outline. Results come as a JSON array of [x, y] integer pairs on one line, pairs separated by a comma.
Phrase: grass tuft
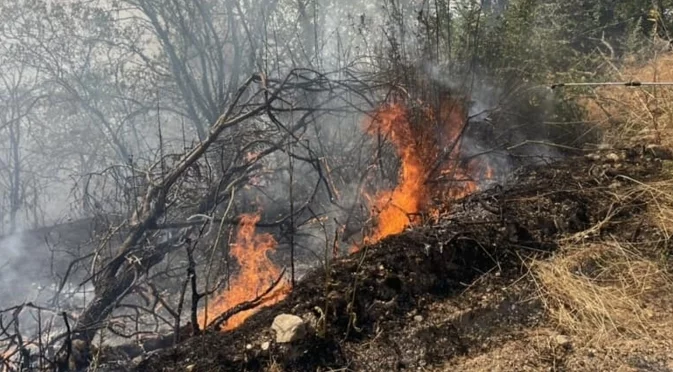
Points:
[[602, 291]]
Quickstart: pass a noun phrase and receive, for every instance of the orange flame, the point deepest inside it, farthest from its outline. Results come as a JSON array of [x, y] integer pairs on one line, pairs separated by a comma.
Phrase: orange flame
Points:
[[421, 146], [257, 274], [396, 207]]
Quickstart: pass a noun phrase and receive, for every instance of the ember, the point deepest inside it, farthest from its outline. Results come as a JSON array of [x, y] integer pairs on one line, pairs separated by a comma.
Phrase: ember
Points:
[[256, 275]]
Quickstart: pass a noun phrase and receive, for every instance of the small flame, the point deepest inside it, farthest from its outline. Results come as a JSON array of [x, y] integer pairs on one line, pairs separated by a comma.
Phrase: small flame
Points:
[[257, 274]]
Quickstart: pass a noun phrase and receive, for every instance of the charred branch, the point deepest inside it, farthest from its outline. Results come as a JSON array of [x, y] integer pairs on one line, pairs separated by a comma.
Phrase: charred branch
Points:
[[133, 259]]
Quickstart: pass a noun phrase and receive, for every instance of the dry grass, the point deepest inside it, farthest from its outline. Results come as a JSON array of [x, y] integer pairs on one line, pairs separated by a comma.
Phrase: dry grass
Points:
[[660, 201], [636, 115], [603, 291], [614, 295], [274, 366]]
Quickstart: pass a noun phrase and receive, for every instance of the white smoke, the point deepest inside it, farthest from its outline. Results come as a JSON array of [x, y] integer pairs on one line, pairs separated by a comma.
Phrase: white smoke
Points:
[[494, 132]]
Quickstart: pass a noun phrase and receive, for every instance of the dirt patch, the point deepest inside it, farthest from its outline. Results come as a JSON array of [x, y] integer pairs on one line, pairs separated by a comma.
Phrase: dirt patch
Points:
[[448, 293]]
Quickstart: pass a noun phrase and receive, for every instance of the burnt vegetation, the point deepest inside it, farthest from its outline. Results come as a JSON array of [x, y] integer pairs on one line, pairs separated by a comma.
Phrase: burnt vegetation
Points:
[[399, 175], [363, 306]]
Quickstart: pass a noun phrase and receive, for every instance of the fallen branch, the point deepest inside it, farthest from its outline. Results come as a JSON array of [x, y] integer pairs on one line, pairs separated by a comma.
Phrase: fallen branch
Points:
[[185, 332], [222, 318]]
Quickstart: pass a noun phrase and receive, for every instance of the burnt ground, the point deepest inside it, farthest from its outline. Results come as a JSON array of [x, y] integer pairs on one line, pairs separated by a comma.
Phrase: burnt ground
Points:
[[452, 294]]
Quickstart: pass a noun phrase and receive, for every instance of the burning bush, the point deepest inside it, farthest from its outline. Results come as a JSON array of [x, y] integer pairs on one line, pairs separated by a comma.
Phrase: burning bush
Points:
[[428, 144], [256, 275]]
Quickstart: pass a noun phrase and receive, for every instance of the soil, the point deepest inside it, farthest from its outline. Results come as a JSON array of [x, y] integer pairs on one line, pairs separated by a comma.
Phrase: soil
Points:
[[453, 293]]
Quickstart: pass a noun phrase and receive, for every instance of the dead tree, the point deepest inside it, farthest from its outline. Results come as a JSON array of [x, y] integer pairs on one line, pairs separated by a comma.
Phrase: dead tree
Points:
[[134, 258]]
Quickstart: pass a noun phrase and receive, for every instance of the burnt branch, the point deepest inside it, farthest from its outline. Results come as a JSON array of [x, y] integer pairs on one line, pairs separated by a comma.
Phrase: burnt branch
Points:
[[165, 199], [217, 323]]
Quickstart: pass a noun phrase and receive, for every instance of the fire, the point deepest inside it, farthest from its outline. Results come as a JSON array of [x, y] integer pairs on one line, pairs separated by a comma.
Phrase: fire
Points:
[[257, 273], [396, 207], [428, 144]]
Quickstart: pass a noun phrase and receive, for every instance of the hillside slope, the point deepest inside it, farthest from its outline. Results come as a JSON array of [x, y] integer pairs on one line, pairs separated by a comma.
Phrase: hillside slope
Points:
[[458, 293]]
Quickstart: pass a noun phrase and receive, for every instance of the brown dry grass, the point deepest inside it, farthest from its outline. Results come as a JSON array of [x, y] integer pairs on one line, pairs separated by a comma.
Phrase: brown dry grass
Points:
[[274, 367], [660, 201], [610, 291], [629, 115], [605, 291]]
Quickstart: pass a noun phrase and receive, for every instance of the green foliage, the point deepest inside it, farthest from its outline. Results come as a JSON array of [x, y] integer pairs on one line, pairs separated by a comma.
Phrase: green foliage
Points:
[[539, 40]]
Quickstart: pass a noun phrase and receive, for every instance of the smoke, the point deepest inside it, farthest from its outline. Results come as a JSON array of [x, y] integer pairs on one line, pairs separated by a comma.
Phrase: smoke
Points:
[[25, 256], [26, 278], [321, 177], [507, 123], [12, 251], [505, 131]]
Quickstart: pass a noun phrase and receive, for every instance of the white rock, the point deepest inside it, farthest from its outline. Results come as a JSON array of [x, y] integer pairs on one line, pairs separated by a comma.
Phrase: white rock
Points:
[[562, 340], [612, 157], [266, 345], [288, 328]]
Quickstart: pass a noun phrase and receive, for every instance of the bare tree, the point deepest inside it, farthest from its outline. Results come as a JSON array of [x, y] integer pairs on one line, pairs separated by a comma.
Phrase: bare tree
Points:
[[159, 111], [19, 96]]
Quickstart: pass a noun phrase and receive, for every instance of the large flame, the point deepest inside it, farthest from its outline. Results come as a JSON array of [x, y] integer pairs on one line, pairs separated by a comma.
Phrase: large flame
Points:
[[257, 273], [395, 208], [428, 144]]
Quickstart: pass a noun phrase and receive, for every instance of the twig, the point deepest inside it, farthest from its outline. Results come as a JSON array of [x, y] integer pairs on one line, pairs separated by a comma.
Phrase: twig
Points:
[[68, 344], [212, 256], [612, 83], [222, 318]]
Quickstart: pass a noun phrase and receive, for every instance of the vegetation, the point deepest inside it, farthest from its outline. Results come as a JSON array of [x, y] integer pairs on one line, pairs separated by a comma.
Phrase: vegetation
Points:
[[167, 126]]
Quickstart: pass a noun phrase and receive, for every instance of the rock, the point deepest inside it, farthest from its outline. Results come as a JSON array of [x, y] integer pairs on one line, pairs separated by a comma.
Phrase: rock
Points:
[[288, 328], [266, 345], [562, 340], [612, 157], [418, 318]]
